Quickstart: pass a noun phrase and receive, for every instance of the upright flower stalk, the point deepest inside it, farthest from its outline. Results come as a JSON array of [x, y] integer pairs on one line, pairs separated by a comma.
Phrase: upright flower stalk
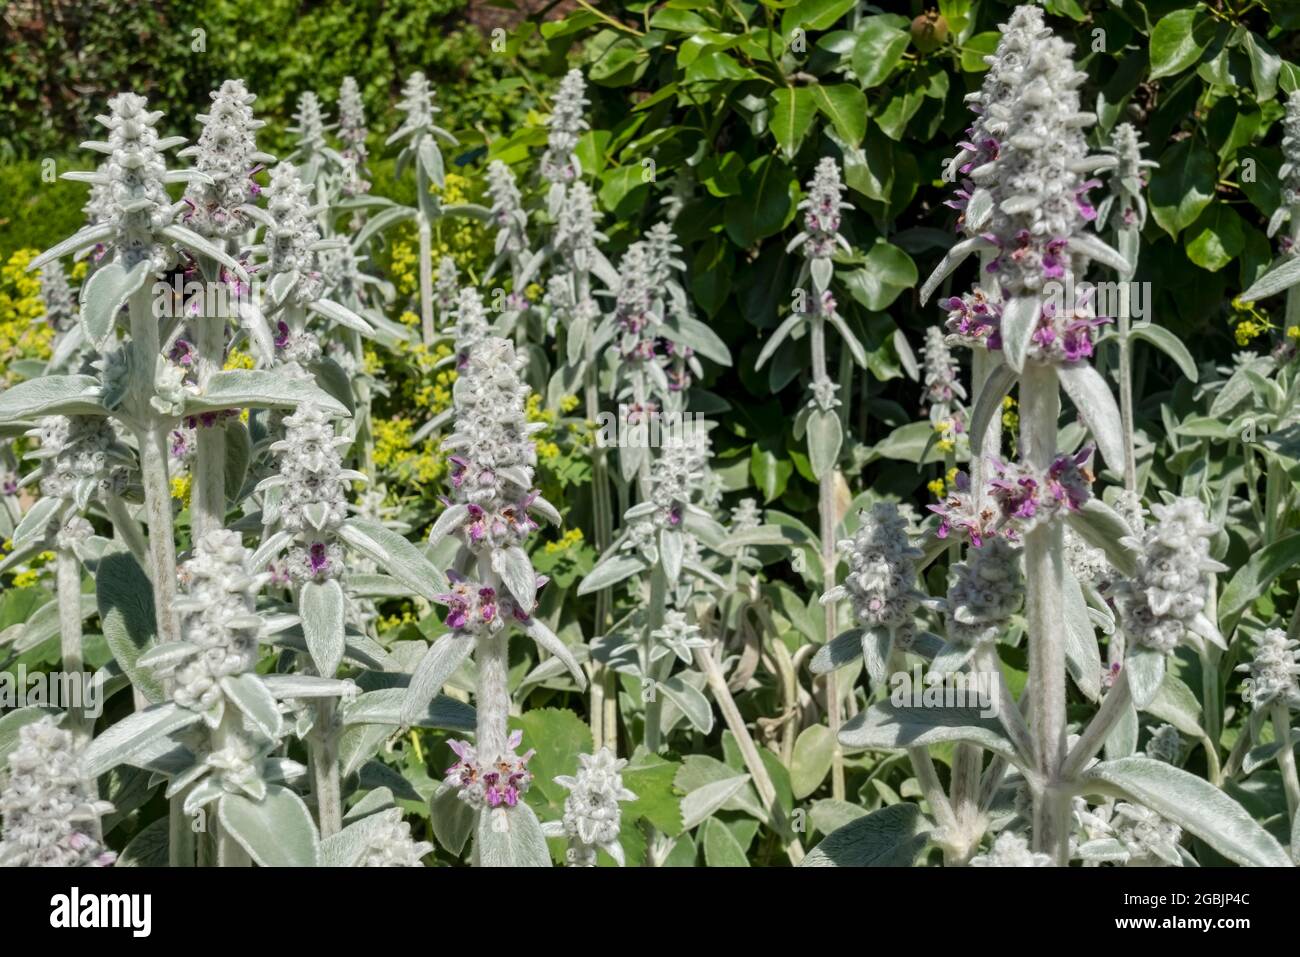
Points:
[[1027, 207], [493, 586], [819, 241]]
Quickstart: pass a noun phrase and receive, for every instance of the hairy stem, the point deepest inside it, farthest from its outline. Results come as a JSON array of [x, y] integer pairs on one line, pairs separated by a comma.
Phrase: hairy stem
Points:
[[1040, 407], [426, 274], [1281, 715], [69, 596], [208, 504]]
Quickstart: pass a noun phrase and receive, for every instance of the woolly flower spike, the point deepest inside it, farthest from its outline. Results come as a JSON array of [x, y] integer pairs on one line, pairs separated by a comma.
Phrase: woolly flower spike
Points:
[[1167, 595], [566, 126], [137, 205], [492, 456], [1149, 839], [1065, 335], [476, 609], [821, 214], [881, 582], [1010, 850], [313, 491], [987, 591], [446, 286], [1127, 178], [472, 325], [1027, 198], [417, 104], [1028, 498], [81, 458], [311, 126], [1273, 667], [1165, 744], [219, 624], [390, 843], [677, 636], [591, 812], [227, 154], [974, 320], [746, 516], [497, 784], [575, 228], [291, 232], [1289, 171], [1088, 564], [353, 133], [943, 386], [507, 209], [48, 803], [60, 308]]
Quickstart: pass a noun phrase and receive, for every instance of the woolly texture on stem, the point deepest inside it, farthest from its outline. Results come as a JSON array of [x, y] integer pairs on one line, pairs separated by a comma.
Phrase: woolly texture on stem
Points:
[[227, 154]]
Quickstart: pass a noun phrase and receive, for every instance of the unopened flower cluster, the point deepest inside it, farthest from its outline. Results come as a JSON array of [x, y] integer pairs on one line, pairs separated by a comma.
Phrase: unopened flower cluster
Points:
[[566, 126], [353, 133], [494, 784], [591, 812], [219, 621], [1273, 668], [881, 583], [507, 210], [391, 845], [1010, 850], [492, 453], [943, 388], [81, 457], [1029, 150], [987, 591], [821, 213], [227, 153], [48, 803], [1160, 602], [291, 233]]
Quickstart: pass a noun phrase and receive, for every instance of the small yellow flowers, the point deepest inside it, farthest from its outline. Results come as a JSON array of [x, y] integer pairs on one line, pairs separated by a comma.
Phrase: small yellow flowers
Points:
[[409, 318], [1010, 417], [398, 455], [238, 360], [24, 333], [569, 540], [1250, 322], [181, 489], [568, 403], [936, 487], [941, 485], [547, 451], [947, 435]]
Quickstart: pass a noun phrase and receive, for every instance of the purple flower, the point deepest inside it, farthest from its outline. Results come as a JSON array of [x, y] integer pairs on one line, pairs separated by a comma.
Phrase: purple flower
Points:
[[318, 559]]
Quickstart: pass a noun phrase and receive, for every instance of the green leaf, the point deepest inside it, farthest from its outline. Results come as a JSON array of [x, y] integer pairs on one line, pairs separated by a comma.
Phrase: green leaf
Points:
[[260, 389], [769, 473], [793, 110], [276, 831], [650, 778], [1178, 40], [721, 849], [824, 440], [846, 107], [763, 207], [1254, 577], [974, 50], [885, 273], [51, 395], [385, 707], [257, 703], [887, 727], [813, 750], [104, 294], [395, 555], [1170, 345], [558, 736], [1194, 805], [133, 735], [814, 14], [877, 50], [1183, 185], [126, 613], [890, 837], [1216, 238], [511, 837], [321, 608]]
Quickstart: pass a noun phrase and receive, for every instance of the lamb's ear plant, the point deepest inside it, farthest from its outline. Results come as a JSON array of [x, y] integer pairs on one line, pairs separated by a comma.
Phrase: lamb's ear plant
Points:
[[493, 590], [814, 310]]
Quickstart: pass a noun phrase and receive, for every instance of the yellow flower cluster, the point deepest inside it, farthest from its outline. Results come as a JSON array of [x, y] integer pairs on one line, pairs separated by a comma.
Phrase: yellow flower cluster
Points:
[[458, 238], [404, 270], [1250, 322], [941, 485], [1010, 417], [182, 486], [569, 540], [434, 394], [24, 334], [238, 360], [947, 435], [397, 453], [547, 451]]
